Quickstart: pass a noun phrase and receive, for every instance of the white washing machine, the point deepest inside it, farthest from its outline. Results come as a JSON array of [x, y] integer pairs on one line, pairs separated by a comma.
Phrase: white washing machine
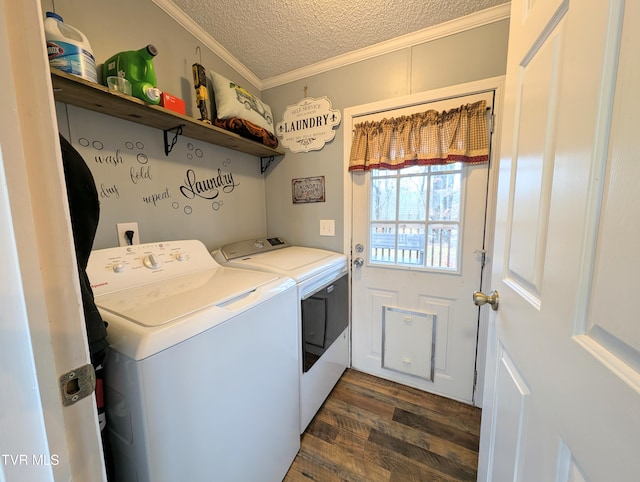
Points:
[[201, 381], [323, 309]]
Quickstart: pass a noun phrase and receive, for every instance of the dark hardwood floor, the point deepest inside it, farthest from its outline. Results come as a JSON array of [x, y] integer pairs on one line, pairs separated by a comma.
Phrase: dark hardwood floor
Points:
[[370, 429]]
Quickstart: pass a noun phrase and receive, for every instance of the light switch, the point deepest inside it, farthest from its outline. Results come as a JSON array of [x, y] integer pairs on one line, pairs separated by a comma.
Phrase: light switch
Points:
[[327, 227]]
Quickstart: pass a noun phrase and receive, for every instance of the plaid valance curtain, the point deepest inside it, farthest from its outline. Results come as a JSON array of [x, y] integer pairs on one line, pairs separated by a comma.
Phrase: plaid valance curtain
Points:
[[431, 137]]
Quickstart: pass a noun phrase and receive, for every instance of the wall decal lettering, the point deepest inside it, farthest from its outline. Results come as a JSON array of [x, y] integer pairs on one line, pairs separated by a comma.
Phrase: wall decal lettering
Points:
[[207, 188], [155, 197], [107, 192], [148, 183], [114, 160], [142, 173]]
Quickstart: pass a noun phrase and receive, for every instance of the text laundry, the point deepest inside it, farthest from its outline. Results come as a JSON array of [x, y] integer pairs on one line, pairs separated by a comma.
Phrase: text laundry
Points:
[[207, 188]]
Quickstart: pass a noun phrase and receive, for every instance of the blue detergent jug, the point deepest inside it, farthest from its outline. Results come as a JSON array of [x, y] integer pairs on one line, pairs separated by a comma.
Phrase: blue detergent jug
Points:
[[68, 48]]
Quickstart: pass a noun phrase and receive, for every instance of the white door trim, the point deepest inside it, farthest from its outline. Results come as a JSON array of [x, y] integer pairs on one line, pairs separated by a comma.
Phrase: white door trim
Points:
[[45, 294], [349, 118]]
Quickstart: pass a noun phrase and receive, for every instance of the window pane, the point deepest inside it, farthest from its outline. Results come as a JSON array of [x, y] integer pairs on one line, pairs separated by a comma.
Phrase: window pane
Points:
[[456, 166], [383, 243], [411, 244], [415, 170], [444, 203], [415, 217], [413, 198], [383, 199], [383, 172], [442, 246]]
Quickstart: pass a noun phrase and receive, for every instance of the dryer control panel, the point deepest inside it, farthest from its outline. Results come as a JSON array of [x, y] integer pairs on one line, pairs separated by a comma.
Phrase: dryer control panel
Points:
[[250, 247], [122, 267]]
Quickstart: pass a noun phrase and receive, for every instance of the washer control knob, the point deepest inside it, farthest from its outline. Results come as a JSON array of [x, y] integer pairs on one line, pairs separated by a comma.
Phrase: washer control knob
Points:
[[259, 243], [151, 262], [181, 256], [118, 267]]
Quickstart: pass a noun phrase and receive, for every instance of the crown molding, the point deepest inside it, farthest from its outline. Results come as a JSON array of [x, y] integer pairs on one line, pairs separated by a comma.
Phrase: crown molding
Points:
[[478, 19], [468, 22], [208, 41]]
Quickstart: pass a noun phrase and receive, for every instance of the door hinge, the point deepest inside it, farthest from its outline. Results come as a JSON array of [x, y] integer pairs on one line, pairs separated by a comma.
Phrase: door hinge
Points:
[[475, 386], [77, 384], [482, 255]]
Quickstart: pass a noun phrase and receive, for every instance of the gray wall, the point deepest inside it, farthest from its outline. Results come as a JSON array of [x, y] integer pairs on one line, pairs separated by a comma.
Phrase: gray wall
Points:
[[259, 205], [472, 55], [199, 191], [153, 197], [119, 25]]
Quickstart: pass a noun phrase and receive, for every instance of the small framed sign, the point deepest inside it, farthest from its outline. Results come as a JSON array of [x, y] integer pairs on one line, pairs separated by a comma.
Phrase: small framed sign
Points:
[[308, 190]]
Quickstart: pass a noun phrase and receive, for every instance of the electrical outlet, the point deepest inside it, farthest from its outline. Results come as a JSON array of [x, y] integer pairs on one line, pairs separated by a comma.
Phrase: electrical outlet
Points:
[[123, 238], [327, 227]]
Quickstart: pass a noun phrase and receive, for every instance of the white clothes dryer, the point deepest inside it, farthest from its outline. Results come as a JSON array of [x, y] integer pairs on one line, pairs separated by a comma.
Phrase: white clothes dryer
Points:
[[323, 309], [201, 379]]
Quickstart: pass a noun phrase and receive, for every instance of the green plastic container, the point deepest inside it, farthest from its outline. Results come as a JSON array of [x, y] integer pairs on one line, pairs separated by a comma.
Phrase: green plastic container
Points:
[[137, 67]]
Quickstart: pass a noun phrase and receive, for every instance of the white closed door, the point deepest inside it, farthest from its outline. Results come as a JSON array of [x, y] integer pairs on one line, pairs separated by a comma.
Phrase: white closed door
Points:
[[418, 236], [562, 399]]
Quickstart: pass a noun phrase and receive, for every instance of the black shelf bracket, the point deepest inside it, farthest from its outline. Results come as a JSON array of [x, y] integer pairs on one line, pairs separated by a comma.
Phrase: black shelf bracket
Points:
[[169, 146], [264, 163]]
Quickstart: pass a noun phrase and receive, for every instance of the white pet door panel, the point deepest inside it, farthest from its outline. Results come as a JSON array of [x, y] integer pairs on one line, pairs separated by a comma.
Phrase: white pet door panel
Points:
[[408, 342]]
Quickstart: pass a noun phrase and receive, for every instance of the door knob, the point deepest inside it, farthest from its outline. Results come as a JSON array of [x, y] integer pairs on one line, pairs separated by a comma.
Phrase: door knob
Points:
[[358, 262], [479, 299]]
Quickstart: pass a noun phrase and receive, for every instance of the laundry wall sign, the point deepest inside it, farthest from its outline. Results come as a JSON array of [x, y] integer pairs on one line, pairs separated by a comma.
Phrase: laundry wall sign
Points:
[[308, 125]]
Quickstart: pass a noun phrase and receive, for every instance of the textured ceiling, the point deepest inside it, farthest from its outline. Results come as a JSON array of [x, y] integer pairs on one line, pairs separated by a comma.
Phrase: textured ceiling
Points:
[[273, 37]]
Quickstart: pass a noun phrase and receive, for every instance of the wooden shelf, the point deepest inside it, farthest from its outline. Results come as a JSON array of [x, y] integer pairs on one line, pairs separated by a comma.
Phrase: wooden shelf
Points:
[[73, 90]]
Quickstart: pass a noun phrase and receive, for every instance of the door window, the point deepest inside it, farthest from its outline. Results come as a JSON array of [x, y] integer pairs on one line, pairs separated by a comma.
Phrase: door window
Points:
[[415, 217]]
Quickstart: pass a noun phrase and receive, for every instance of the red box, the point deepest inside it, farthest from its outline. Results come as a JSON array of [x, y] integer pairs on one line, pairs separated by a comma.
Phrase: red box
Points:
[[173, 103]]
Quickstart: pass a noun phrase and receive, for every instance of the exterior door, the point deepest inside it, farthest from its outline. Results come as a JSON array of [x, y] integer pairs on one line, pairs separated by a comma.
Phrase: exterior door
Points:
[[562, 399], [418, 237]]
